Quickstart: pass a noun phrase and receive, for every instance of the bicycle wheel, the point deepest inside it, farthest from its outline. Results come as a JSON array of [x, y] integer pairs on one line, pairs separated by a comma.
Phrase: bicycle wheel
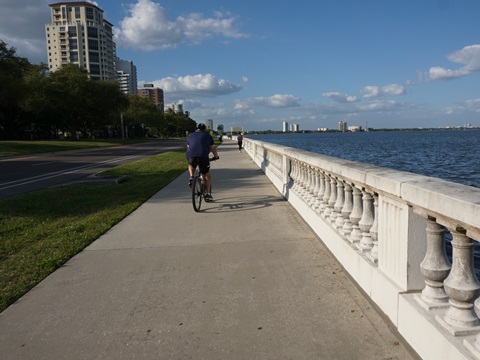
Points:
[[197, 193]]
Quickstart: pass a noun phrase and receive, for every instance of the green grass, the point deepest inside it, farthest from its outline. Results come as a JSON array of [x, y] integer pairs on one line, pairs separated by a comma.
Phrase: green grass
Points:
[[41, 231], [13, 148]]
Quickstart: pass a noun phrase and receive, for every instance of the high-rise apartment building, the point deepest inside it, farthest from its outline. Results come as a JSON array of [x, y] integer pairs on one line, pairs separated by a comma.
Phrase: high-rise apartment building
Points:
[[342, 126], [149, 91], [78, 34], [285, 127], [126, 76]]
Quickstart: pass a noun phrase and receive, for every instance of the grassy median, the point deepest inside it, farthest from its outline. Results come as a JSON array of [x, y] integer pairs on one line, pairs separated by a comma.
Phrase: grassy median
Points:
[[41, 231], [19, 147]]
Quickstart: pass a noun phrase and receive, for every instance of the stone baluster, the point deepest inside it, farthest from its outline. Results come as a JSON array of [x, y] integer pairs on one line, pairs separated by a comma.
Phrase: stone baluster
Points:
[[332, 200], [435, 267], [301, 179], [310, 199], [347, 210], [321, 192], [356, 215], [373, 254], [339, 204], [462, 287], [326, 196], [316, 189], [304, 181], [366, 222], [294, 175]]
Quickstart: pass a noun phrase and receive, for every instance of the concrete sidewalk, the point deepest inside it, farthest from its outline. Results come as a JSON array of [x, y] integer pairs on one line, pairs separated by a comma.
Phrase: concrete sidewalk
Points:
[[246, 278]]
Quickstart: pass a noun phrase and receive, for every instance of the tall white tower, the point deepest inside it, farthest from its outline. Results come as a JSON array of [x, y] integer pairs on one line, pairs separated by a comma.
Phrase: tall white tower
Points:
[[78, 34]]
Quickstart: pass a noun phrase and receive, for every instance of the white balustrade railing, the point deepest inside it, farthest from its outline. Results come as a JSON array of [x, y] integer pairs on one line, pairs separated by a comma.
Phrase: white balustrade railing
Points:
[[387, 228]]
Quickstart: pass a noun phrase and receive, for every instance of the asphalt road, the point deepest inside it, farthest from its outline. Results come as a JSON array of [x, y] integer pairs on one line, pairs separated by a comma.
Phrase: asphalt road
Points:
[[22, 174]]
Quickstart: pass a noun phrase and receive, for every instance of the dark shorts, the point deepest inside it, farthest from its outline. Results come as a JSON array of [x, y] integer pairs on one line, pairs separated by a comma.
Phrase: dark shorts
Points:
[[204, 164]]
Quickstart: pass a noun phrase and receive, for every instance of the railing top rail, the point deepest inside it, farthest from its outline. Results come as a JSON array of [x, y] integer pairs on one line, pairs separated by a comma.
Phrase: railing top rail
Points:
[[437, 197]]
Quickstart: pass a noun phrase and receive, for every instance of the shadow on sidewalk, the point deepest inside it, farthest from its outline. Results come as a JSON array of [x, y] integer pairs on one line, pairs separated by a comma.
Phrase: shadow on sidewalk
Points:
[[235, 204]]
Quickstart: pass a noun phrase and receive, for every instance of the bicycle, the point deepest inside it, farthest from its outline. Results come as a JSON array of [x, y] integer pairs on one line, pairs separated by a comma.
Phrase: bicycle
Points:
[[198, 188]]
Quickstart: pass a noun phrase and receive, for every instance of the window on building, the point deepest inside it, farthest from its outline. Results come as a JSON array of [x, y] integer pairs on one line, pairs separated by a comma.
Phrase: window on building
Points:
[[89, 13], [72, 43], [92, 32], [94, 69], [77, 12], [73, 56], [72, 31], [93, 56], [93, 44]]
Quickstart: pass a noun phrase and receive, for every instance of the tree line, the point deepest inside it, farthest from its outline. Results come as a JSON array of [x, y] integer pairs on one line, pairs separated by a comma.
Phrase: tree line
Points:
[[36, 104]]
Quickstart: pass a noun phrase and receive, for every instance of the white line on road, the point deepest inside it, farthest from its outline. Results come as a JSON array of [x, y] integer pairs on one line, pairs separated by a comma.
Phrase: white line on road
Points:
[[37, 178]]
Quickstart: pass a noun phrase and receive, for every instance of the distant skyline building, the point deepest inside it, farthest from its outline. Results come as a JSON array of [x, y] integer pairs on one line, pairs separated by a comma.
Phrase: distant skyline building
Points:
[[176, 107], [355, 128], [295, 128], [285, 127], [126, 76], [79, 34], [153, 93], [209, 124], [342, 126]]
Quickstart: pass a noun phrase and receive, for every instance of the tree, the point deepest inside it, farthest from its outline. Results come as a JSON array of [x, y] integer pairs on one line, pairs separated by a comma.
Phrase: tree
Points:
[[12, 70], [141, 113], [70, 93], [36, 104], [106, 101], [178, 123]]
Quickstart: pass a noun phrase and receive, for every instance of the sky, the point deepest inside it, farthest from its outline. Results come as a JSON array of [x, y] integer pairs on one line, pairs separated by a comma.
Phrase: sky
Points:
[[255, 64]]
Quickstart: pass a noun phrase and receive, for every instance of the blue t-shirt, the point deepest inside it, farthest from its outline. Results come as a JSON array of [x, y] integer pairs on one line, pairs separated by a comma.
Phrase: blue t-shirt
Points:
[[199, 144]]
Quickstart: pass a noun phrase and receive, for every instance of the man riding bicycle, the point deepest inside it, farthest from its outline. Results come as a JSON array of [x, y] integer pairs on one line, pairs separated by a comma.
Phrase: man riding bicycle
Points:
[[200, 144]]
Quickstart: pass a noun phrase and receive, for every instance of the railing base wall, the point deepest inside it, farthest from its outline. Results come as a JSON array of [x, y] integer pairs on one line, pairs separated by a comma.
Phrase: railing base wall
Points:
[[420, 329]]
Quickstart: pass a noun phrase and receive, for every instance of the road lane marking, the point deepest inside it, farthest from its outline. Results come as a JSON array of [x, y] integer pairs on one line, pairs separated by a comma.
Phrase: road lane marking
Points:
[[37, 178]]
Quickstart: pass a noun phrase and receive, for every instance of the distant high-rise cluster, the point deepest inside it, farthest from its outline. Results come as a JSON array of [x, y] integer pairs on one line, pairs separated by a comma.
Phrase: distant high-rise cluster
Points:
[[342, 126], [79, 34]]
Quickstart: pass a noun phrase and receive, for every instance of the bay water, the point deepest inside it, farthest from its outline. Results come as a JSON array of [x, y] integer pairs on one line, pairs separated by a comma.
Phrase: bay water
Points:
[[452, 155]]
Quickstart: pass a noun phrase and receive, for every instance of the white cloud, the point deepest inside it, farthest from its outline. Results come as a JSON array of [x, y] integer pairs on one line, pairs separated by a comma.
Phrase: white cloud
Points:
[[201, 85], [388, 90], [473, 105], [22, 24], [341, 98], [274, 101], [148, 27], [469, 56]]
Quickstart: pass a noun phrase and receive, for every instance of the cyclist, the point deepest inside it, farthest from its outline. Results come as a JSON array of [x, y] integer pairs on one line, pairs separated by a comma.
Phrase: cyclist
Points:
[[199, 146]]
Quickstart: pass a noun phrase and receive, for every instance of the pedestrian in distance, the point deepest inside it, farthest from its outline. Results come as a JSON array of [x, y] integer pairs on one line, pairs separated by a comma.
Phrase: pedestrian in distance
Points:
[[240, 141]]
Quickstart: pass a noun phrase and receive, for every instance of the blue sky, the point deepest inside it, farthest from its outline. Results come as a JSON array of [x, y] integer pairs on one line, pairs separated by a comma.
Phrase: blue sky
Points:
[[255, 64]]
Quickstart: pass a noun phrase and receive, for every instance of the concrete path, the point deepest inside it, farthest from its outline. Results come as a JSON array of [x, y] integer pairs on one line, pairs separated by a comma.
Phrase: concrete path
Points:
[[244, 279]]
